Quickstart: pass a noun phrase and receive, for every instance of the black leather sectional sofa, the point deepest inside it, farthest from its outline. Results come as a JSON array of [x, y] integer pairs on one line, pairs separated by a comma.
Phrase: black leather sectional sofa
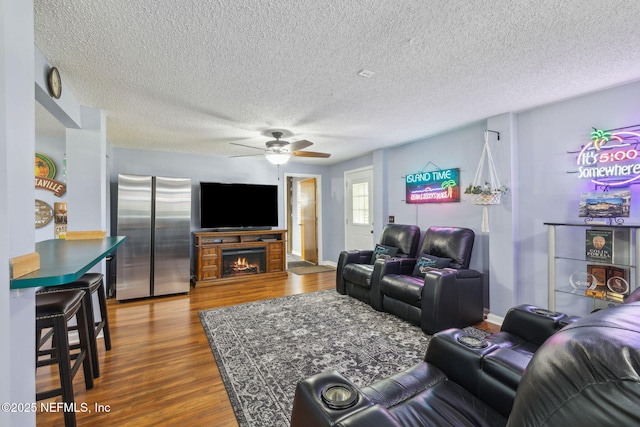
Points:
[[541, 369]]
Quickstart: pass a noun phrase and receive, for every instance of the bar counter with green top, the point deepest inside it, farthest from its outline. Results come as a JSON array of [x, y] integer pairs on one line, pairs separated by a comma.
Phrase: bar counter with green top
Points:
[[65, 261]]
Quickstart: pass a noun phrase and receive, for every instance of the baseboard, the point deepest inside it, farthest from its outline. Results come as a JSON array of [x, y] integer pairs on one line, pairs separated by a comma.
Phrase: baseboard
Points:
[[330, 263], [496, 320], [73, 337]]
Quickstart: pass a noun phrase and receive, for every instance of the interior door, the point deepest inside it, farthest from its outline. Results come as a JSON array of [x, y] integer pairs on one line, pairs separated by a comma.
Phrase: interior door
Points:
[[309, 220], [359, 209], [290, 208]]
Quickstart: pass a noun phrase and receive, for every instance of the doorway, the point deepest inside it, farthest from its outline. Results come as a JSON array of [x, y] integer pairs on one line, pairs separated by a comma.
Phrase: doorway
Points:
[[304, 221], [359, 209]]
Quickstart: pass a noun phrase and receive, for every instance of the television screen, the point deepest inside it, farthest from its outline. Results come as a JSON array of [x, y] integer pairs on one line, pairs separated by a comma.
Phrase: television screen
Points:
[[238, 205]]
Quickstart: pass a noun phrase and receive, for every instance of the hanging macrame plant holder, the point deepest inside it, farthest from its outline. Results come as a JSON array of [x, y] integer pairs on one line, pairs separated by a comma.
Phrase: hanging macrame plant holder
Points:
[[491, 188]]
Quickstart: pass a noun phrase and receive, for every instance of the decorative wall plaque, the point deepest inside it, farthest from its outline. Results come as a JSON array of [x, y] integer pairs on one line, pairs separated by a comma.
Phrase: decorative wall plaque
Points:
[[45, 172], [44, 213], [44, 167]]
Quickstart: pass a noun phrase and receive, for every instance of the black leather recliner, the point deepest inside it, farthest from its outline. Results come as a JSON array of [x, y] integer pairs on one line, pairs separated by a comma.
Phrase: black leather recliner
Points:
[[450, 296], [356, 267], [587, 373]]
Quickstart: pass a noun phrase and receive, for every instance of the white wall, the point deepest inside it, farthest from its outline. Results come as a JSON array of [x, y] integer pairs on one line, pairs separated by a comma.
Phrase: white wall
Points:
[[207, 168], [548, 192], [17, 142], [531, 158], [86, 150], [54, 148], [333, 205], [443, 152], [501, 243], [22, 65]]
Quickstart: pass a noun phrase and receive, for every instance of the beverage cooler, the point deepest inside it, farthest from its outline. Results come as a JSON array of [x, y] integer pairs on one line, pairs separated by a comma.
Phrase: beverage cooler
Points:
[[154, 213]]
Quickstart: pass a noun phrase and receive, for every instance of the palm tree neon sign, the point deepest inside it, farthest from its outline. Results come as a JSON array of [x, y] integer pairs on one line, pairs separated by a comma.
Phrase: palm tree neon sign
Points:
[[610, 159]]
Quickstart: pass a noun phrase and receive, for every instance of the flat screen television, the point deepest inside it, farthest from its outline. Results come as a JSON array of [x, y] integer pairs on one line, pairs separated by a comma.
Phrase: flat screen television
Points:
[[238, 205]]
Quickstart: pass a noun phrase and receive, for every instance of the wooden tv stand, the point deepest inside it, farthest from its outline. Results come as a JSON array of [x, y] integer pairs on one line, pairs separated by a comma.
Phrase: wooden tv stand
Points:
[[209, 247]]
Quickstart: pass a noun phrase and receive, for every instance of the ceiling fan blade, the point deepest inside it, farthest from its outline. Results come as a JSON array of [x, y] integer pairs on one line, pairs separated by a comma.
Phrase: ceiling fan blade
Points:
[[311, 154], [247, 155], [247, 146], [299, 145]]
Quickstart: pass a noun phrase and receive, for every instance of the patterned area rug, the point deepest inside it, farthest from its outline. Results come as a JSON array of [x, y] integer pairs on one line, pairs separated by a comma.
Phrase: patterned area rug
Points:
[[264, 348]]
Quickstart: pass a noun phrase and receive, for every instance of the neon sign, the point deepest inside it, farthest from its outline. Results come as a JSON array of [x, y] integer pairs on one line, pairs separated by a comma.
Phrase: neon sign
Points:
[[611, 158], [440, 186]]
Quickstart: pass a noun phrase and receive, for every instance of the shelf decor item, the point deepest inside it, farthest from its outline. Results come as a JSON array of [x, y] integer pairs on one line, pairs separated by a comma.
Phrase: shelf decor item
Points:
[[486, 188], [599, 245], [610, 205], [594, 276], [60, 220], [618, 285], [581, 280]]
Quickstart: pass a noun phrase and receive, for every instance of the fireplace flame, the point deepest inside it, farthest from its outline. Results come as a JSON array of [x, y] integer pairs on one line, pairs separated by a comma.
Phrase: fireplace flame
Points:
[[241, 264]]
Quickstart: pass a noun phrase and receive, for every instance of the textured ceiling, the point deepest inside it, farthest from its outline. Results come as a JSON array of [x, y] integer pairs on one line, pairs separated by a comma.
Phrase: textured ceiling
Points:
[[195, 75]]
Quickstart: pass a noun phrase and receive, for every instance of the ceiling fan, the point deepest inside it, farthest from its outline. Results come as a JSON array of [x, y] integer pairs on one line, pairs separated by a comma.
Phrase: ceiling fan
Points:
[[278, 151]]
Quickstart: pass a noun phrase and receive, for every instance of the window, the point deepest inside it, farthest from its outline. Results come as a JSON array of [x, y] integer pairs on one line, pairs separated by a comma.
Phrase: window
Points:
[[360, 202]]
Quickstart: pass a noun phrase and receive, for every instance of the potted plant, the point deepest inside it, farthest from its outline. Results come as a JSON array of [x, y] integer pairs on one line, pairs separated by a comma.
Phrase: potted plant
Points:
[[485, 194]]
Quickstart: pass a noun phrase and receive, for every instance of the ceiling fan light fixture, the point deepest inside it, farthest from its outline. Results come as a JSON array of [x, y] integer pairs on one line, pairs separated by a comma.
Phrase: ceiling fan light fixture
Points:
[[277, 158]]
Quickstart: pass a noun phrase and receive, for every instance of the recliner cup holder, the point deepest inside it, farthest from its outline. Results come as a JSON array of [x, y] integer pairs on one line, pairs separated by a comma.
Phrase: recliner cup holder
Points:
[[339, 396], [544, 312], [473, 342]]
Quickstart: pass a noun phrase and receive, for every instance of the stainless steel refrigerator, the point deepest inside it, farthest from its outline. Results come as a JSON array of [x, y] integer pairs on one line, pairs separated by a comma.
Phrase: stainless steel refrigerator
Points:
[[154, 213]]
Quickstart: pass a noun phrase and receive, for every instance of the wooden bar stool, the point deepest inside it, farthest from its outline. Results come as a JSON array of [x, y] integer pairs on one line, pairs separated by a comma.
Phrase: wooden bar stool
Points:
[[54, 310], [91, 283]]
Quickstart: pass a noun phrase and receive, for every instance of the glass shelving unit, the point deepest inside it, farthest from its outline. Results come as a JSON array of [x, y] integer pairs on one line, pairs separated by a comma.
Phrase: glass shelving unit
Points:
[[567, 259]]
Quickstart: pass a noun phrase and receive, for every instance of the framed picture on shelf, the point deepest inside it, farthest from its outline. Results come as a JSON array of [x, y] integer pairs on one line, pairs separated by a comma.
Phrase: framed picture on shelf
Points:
[[599, 245], [610, 204]]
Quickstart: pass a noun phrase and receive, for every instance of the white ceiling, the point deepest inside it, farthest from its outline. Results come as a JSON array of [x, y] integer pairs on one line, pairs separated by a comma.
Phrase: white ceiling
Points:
[[195, 75]]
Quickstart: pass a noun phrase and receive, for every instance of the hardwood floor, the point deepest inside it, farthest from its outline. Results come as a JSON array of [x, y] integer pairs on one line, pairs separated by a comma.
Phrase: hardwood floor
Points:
[[161, 370]]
